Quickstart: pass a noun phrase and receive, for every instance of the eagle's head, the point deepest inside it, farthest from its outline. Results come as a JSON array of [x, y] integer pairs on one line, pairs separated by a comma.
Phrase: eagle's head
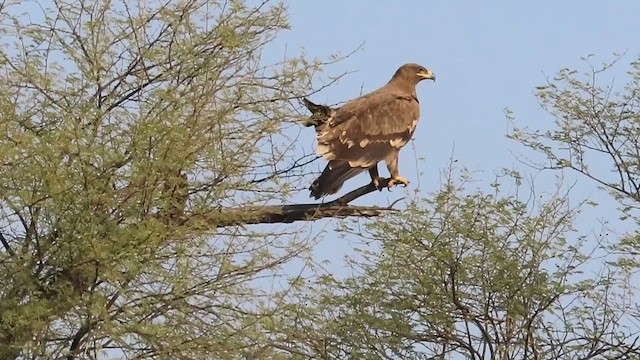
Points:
[[413, 74]]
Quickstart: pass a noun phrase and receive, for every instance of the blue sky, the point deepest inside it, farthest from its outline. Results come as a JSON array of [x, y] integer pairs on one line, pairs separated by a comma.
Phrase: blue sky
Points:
[[487, 56]]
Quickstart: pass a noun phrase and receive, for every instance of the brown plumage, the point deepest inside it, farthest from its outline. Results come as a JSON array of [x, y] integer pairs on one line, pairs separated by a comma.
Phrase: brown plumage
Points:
[[369, 129]]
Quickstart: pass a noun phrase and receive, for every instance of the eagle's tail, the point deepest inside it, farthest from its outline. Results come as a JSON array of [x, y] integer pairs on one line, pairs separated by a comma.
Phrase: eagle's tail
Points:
[[333, 176]]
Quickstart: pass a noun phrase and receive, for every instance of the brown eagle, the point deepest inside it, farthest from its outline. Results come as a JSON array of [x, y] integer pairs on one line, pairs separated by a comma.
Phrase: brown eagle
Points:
[[369, 129]]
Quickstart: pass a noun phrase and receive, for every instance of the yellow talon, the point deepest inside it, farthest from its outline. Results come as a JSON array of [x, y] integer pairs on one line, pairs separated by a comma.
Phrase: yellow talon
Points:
[[397, 180]]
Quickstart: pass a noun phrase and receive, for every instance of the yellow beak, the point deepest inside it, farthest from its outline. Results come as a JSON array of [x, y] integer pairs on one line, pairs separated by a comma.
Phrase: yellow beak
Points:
[[427, 75]]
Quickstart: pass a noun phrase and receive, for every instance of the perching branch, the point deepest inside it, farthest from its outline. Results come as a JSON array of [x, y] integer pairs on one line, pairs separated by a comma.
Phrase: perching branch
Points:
[[272, 214]]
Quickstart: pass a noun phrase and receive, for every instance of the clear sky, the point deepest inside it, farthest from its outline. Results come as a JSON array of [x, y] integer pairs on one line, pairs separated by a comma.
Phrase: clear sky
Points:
[[487, 55]]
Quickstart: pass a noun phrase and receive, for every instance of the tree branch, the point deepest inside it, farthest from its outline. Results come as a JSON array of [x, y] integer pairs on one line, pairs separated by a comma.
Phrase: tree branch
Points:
[[271, 214], [6, 245]]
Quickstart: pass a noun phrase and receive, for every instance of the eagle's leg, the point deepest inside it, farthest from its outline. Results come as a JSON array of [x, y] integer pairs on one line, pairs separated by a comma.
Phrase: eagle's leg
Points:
[[392, 166], [375, 177]]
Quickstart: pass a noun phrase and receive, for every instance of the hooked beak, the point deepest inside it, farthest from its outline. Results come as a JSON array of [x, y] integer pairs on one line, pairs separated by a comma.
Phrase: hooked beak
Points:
[[427, 75]]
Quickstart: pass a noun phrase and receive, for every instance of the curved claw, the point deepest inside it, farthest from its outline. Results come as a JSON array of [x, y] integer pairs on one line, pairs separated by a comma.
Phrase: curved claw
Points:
[[397, 180], [377, 182]]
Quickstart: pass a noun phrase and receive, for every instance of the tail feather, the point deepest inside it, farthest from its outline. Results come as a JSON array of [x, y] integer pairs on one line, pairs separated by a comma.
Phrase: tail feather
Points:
[[332, 178]]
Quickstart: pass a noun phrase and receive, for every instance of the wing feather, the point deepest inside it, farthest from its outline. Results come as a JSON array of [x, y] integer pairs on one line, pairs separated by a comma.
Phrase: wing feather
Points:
[[366, 130]]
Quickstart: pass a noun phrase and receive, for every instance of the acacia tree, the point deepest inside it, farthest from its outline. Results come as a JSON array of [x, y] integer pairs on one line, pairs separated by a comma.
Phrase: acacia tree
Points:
[[597, 134], [467, 274], [127, 133], [596, 129]]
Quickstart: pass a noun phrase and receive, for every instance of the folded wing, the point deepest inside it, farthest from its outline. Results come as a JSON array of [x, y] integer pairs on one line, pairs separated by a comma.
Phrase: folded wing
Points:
[[366, 130]]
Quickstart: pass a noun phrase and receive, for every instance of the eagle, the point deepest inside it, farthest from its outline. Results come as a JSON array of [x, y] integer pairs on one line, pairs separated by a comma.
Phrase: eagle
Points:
[[369, 129]]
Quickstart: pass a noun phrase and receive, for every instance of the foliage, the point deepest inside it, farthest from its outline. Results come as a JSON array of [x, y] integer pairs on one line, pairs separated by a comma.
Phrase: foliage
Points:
[[129, 131], [596, 132], [125, 129], [469, 274]]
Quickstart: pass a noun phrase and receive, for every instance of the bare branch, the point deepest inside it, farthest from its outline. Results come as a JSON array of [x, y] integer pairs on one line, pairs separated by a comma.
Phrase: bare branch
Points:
[[6, 245], [271, 214]]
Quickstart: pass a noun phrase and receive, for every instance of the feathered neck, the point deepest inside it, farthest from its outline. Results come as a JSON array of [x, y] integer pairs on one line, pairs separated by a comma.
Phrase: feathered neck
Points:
[[400, 83]]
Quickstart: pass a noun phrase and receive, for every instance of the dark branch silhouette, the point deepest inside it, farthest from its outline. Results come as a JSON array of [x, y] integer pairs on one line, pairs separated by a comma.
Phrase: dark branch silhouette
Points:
[[271, 214]]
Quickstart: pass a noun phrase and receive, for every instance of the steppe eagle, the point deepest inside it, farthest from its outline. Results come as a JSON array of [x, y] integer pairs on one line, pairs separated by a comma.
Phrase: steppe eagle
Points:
[[369, 129]]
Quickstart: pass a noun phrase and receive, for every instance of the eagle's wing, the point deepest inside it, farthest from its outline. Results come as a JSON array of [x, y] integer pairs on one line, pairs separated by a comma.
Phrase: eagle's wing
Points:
[[366, 130]]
